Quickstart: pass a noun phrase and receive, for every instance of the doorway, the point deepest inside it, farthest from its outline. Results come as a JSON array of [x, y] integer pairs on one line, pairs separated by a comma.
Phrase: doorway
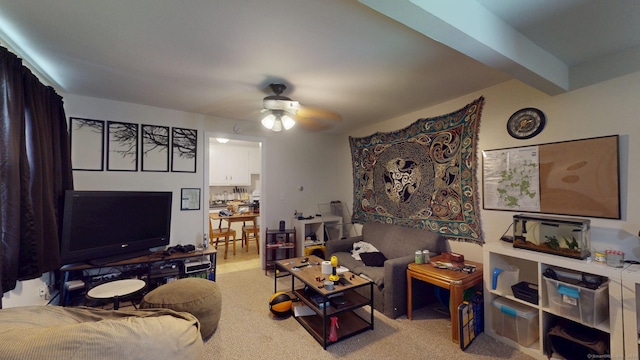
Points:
[[233, 174]]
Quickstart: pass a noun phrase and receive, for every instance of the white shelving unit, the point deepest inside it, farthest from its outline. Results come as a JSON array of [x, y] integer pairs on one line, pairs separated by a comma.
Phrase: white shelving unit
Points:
[[532, 265], [631, 307], [312, 226]]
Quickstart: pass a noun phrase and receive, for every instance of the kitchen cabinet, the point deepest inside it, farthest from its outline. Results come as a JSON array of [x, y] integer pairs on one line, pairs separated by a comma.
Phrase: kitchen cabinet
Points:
[[229, 165], [255, 162]]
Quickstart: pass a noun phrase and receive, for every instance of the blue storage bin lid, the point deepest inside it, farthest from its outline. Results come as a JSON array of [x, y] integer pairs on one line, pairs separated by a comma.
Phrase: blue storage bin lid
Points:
[[513, 308], [573, 292]]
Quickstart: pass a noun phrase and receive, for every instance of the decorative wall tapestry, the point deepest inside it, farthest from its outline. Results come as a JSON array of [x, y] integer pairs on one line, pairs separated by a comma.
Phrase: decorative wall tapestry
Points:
[[422, 176]]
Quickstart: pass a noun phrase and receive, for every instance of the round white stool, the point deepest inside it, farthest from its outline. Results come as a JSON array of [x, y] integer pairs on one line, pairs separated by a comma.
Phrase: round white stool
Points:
[[116, 290]]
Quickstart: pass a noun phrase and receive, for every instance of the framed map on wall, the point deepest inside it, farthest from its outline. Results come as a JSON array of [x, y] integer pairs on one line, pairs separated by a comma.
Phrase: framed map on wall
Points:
[[578, 177]]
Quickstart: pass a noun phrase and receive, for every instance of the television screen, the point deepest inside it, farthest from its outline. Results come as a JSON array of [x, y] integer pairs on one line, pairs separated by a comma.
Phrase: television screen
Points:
[[104, 226]]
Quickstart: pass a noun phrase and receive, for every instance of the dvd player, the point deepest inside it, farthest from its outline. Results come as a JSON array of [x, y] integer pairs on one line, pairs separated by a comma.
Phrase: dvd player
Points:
[[195, 266]]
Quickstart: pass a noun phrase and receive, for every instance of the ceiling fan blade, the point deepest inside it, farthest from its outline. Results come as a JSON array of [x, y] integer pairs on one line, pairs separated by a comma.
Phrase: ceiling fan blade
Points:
[[316, 119], [318, 114], [311, 124]]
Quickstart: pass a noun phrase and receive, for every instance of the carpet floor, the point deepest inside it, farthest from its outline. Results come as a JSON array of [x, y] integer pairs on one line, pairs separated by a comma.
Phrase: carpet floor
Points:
[[247, 329]]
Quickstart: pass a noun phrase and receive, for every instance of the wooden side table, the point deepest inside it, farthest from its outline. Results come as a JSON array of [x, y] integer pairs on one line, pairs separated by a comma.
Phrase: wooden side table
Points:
[[454, 281]]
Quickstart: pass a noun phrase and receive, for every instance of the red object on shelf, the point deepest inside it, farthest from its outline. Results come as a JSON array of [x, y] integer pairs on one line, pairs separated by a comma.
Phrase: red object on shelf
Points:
[[333, 333]]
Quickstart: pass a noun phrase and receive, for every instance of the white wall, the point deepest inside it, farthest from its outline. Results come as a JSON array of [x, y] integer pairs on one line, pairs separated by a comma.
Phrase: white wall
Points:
[[607, 108], [322, 163], [291, 159]]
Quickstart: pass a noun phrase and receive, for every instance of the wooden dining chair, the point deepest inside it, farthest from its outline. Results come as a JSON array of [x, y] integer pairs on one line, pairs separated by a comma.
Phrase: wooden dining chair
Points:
[[217, 233], [250, 232]]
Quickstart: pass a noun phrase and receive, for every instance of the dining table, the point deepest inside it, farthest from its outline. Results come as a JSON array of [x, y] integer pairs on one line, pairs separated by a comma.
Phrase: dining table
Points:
[[243, 217]]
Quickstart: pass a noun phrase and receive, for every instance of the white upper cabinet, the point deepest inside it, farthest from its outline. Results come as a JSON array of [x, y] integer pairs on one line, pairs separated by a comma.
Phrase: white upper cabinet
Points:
[[229, 165], [255, 162]]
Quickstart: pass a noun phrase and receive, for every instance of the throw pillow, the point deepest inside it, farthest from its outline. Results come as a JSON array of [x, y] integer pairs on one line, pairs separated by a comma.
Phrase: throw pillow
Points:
[[373, 258]]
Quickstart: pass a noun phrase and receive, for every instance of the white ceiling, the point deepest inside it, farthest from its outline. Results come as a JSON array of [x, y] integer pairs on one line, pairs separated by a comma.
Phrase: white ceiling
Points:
[[367, 60]]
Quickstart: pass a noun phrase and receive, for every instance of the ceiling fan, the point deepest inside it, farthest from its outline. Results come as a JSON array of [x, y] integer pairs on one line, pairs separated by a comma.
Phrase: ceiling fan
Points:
[[283, 112]]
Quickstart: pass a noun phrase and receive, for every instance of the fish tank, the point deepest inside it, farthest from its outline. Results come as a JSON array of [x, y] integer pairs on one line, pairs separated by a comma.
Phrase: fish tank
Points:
[[554, 235]]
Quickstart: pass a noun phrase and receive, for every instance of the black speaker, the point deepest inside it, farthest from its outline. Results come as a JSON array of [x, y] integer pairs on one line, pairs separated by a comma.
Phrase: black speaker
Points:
[[281, 225]]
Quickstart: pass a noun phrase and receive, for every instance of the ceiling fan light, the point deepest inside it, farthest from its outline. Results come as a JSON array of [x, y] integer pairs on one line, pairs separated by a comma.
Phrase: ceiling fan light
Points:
[[269, 121], [277, 126], [287, 122]]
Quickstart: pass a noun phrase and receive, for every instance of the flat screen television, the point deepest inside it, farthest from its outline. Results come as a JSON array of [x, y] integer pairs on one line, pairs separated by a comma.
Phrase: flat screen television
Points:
[[99, 227]]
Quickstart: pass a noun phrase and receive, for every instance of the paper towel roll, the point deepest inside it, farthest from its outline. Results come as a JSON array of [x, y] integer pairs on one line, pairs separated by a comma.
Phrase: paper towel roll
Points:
[[326, 267]]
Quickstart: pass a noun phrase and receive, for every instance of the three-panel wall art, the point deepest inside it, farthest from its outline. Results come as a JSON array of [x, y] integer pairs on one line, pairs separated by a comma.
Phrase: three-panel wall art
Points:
[[122, 146]]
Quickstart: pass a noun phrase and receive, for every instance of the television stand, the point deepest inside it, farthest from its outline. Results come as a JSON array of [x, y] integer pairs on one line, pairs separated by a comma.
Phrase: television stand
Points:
[[152, 259], [120, 257]]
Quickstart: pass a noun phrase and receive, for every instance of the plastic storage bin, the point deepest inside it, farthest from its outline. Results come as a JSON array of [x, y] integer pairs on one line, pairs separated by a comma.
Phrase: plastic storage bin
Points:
[[515, 321], [503, 277], [578, 303]]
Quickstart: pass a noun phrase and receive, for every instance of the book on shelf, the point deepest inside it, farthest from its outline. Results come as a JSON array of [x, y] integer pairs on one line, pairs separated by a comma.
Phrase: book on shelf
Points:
[[319, 300], [303, 310]]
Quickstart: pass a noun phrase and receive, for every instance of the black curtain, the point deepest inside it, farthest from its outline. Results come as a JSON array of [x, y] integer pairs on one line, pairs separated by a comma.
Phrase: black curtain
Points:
[[35, 171]]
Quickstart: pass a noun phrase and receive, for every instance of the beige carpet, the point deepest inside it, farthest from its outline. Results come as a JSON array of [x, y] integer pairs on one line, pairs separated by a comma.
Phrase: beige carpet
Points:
[[248, 330]]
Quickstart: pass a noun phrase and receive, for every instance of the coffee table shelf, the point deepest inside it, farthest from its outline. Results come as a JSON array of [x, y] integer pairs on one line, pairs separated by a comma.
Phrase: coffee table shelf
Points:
[[350, 324], [354, 301], [353, 318]]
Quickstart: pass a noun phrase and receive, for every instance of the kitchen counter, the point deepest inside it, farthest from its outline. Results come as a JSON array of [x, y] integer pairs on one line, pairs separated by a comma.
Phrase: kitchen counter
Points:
[[224, 205]]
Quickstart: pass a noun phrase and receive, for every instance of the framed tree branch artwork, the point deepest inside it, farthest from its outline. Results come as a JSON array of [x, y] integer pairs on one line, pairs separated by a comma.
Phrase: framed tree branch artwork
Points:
[[87, 144], [155, 148], [122, 146], [184, 145]]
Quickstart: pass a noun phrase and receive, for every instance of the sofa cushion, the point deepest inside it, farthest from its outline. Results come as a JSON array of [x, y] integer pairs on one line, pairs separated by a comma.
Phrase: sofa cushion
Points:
[[396, 241], [345, 259], [375, 274], [373, 258]]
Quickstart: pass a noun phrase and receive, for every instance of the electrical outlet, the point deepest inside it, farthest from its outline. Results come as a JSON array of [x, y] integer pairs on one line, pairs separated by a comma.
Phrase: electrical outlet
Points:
[[42, 291], [49, 291]]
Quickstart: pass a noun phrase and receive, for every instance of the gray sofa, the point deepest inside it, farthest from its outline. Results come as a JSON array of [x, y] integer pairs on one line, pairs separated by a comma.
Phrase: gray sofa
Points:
[[398, 244]]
